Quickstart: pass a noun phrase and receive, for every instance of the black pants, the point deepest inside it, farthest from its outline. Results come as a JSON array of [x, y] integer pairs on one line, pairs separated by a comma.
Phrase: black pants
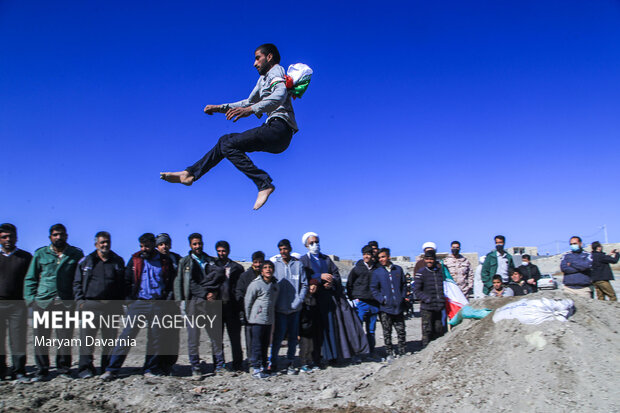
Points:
[[272, 137], [100, 309], [398, 322], [230, 318], [13, 319], [432, 327], [260, 344], [41, 352]]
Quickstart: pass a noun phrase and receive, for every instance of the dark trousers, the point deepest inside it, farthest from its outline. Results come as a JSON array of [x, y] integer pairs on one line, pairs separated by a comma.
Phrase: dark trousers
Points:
[[100, 309], [260, 344], [149, 309], [63, 354], [285, 325], [272, 137], [398, 322], [195, 307], [248, 339], [432, 326], [14, 320], [230, 318]]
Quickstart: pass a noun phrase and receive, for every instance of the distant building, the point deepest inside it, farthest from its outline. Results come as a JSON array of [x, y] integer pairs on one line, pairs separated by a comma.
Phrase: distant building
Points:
[[523, 250]]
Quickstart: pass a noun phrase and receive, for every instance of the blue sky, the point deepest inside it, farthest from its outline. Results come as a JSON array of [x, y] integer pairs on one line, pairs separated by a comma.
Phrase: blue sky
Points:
[[423, 121]]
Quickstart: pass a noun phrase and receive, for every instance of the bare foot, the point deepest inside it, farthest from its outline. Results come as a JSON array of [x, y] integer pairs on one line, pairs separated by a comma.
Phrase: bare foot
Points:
[[262, 197], [182, 177]]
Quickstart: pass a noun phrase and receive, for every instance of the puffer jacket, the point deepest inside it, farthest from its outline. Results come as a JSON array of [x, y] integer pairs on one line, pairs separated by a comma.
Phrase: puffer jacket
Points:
[[428, 287], [260, 301], [601, 271]]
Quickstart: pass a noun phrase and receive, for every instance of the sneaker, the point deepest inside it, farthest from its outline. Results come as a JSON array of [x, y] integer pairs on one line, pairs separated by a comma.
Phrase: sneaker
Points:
[[388, 359], [291, 371], [316, 367], [259, 374], [21, 378], [108, 376], [39, 377], [219, 370], [151, 375], [196, 372], [305, 369], [86, 374], [65, 376]]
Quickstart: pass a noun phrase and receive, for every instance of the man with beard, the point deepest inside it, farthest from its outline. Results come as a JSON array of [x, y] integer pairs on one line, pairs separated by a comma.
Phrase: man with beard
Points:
[[230, 306], [14, 264], [497, 262], [358, 290], [577, 267], [269, 96], [197, 279], [98, 287], [148, 282], [49, 287]]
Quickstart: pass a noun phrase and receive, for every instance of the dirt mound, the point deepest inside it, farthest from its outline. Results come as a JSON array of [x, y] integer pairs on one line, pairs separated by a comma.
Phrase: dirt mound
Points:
[[479, 366], [509, 366]]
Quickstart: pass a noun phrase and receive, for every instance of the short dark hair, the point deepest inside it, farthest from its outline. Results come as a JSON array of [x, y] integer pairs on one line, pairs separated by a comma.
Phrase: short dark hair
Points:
[[10, 228], [497, 277], [285, 243], [270, 49], [58, 227], [503, 238], [595, 245], [194, 235], [147, 238], [575, 236], [223, 244], [386, 250], [366, 249], [373, 244], [526, 256], [258, 255], [455, 242], [103, 234], [267, 262], [515, 269]]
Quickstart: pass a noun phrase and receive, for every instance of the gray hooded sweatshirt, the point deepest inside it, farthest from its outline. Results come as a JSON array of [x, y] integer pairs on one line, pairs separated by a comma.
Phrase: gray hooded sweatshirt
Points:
[[260, 301]]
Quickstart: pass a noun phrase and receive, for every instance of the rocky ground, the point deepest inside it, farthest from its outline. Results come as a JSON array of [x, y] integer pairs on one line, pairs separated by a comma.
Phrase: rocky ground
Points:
[[479, 366]]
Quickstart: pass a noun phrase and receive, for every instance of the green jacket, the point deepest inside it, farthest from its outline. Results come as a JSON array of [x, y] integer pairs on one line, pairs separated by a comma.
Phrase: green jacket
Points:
[[489, 269], [49, 276], [211, 277]]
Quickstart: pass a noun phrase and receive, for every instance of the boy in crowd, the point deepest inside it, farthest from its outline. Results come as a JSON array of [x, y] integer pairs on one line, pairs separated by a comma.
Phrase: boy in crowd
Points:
[[499, 290], [517, 284], [240, 289], [389, 290], [260, 300]]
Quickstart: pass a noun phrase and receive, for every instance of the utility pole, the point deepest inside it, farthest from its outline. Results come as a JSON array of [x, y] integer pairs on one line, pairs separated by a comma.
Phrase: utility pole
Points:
[[605, 229]]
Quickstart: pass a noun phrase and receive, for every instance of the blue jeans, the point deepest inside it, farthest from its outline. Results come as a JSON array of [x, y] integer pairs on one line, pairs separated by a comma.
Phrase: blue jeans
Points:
[[368, 316], [285, 323]]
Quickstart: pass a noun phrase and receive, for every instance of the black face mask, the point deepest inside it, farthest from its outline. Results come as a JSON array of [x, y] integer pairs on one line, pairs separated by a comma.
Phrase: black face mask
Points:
[[499, 248], [59, 243], [455, 251]]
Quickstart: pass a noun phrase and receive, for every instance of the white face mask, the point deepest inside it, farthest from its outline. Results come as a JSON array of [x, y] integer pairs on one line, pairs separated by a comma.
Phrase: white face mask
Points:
[[526, 263], [314, 248]]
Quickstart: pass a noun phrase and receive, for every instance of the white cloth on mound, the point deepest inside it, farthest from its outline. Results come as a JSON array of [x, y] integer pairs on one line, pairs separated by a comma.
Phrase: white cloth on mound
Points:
[[536, 311]]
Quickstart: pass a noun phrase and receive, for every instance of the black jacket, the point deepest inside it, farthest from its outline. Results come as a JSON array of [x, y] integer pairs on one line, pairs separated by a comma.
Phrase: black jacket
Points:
[[601, 271], [83, 286], [358, 283], [520, 289], [242, 284], [227, 289], [428, 287], [530, 271]]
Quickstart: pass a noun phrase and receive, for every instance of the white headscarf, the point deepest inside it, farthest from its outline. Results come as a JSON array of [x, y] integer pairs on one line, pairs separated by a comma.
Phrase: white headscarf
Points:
[[307, 235], [429, 245]]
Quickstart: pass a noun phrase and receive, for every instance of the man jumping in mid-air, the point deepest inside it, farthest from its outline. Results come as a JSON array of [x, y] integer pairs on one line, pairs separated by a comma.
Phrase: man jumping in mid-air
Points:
[[269, 96]]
